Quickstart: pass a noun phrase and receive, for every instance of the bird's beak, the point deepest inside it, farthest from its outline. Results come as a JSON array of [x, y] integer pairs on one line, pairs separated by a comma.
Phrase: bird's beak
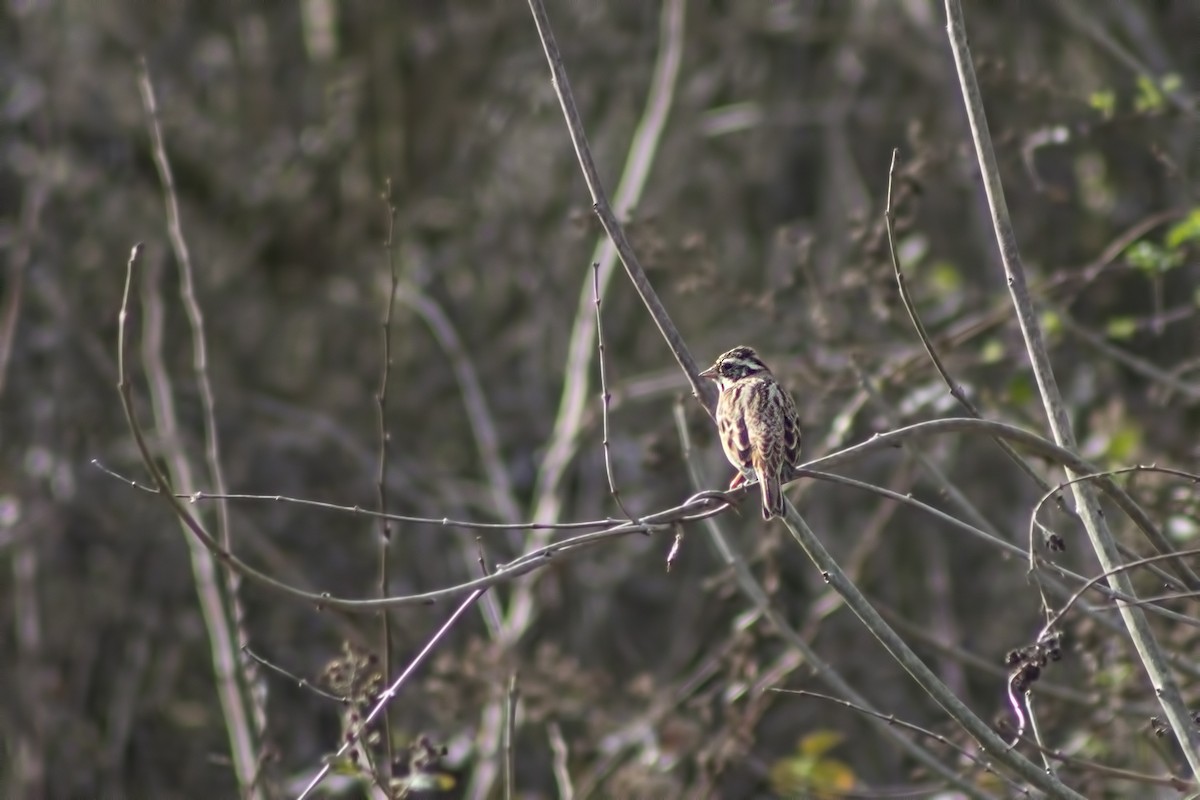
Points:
[[711, 372]]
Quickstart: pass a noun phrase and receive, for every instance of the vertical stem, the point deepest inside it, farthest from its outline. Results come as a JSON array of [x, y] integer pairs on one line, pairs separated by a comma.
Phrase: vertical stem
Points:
[[1087, 505]]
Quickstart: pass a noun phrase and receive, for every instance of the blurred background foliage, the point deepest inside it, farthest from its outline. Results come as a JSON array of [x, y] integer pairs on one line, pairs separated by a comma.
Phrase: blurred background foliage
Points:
[[761, 224]]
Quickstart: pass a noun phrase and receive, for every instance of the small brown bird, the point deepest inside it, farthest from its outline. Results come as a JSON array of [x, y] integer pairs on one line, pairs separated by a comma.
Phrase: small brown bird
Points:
[[758, 424]]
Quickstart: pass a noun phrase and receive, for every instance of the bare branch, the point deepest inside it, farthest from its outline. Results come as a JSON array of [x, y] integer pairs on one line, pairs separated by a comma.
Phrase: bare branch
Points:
[[241, 691], [385, 528], [899, 649], [1086, 504], [605, 397], [392, 691], [564, 440], [753, 590]]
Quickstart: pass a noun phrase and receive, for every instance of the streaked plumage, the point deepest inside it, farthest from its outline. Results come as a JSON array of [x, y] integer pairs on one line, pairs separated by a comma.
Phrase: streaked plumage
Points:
[[757, 423]]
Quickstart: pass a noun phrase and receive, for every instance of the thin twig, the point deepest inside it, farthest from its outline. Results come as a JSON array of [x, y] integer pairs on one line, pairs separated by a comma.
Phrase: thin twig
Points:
[[1092, 476], [702, 505], [605, 397], [642, 151], [956, 496], [353, 737], [1003, 545], [243, 693], [754, 591], [239, 711], [1054, 620], [479, 414], [1141, 366], [562, 771], [899, 649], [443, 522], [969, 510], [511, 698], [385, 528], [568, 426], [18, 262], [940, 644], [1086, 503], [479, 418], [891, 719], [187, 293], [303, 683], [1047, 763], [1116, 773], [956, 390]]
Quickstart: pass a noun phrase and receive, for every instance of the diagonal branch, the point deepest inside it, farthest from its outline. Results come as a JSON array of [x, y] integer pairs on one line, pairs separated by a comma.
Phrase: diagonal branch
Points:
[[899, 649], [757, 595], [564, 441], [1086, 503]]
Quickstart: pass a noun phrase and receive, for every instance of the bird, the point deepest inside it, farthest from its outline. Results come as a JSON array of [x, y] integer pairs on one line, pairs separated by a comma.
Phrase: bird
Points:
[[757, 422]]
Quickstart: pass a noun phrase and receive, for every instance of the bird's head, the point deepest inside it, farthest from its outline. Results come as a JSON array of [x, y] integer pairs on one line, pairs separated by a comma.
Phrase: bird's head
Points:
[[734, 365]]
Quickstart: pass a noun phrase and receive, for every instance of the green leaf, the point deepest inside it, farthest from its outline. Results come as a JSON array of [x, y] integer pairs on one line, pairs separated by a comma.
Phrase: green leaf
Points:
[[1104, 101], [1152, 258], [1186, 230], [992, 352], [1149, 96], [1171, 82], [820, 742], [343, 765], [810, 772], [1121, 327], [1142, 255], [946, 278], [1123, 444], [1020, 391], [1051, 323]]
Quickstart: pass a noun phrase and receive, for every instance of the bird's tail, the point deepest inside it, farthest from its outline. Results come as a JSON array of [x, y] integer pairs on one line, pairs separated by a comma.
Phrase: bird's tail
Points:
[[772, 496]]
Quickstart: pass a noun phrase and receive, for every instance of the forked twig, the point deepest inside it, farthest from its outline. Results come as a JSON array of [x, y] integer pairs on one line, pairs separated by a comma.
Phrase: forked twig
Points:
[[187, 293], [1093, 582], [754, 591], [569, 423], [956, 390], [391, 691], [1116, 773], [1107, 475], [303, 683], [904, 655], [564, 440], [892, 719], [702, 505], [661, 91], [1143, 521], [242, 693]]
